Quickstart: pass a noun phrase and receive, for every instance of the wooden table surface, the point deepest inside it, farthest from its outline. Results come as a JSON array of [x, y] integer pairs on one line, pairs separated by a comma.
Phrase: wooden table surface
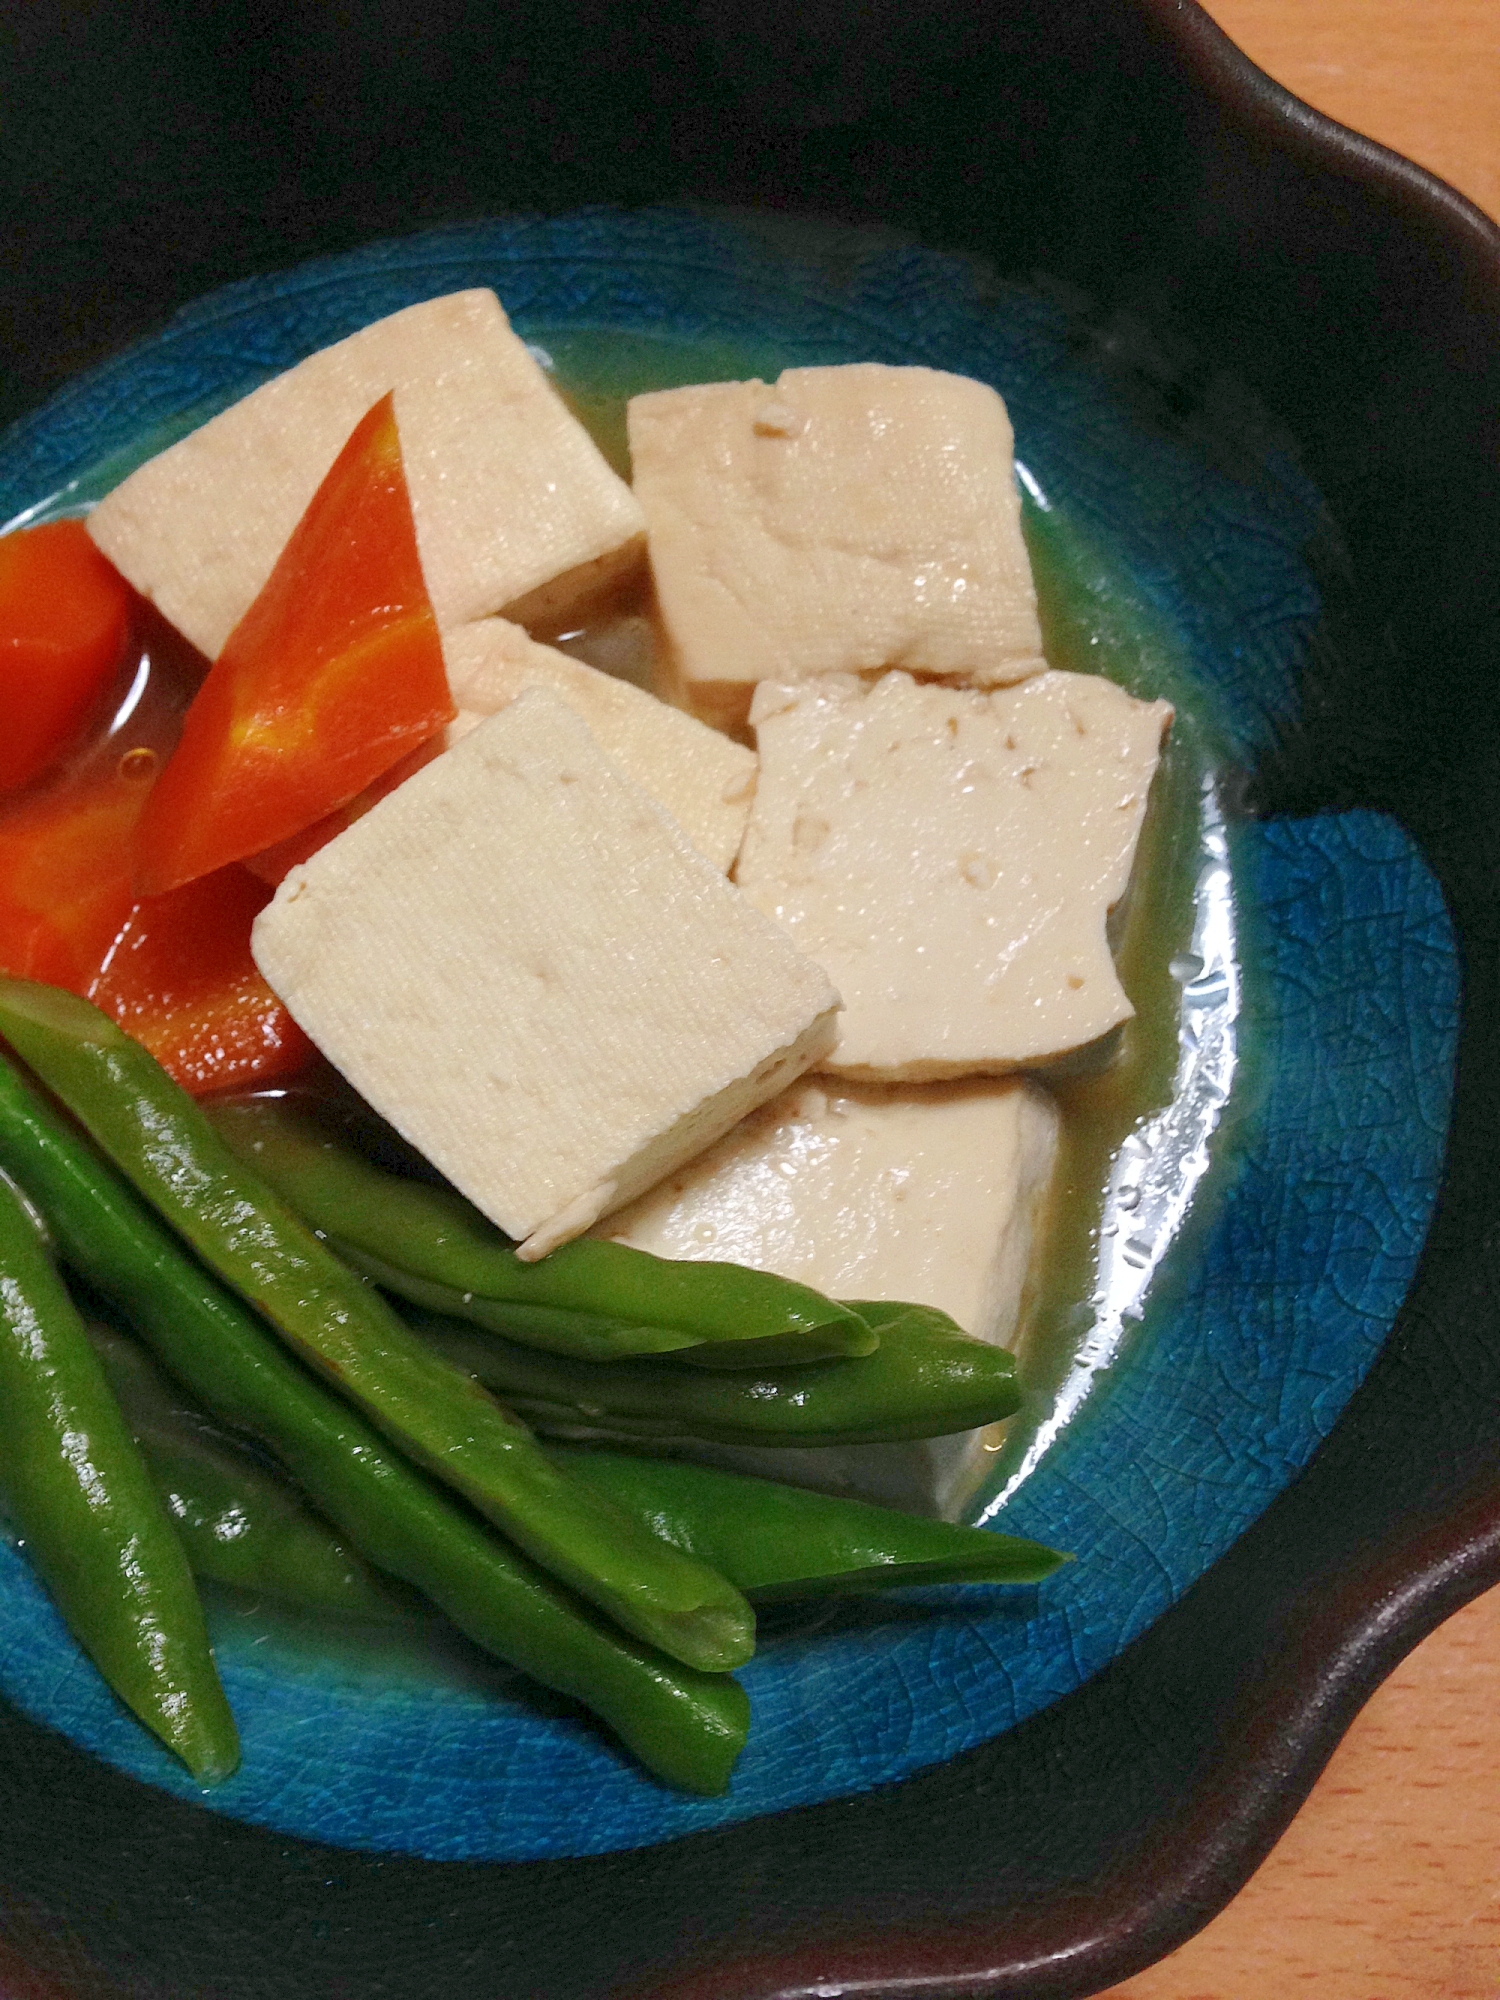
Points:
[[1387, 1884], [1421, 76]]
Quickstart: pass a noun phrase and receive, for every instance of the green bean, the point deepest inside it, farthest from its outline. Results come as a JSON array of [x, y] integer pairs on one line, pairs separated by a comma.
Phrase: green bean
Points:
[[442, 1418], [926, 1379], [590, 1299], [239, 1522], [90, 1520], [686, 1726], [778, 1542]]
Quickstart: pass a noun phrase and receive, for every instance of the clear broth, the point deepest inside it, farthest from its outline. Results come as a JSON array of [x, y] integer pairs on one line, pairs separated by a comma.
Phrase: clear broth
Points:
[[1092, 623]]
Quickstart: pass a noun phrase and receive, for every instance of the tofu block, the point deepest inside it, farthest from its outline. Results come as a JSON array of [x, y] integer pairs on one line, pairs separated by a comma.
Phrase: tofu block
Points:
[[522, 963], [702, 779], [844, 520], [927, 1192], [951, 857], [515, 508]]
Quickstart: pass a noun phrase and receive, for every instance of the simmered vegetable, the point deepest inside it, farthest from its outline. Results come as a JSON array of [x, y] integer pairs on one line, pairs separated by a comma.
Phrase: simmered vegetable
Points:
[[779, 1541], [334, 674], [926, 1379], [239, 1522], [175, 970], [511, 952], [63, 615], [161, 1141], [686, 1726], [593, 1300], [65, 883], [181, 980], [93, 1526]]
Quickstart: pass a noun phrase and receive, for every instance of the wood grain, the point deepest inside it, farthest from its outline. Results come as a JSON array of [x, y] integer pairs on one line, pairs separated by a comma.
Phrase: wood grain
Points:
[[1387, 1884], [1421, 76]]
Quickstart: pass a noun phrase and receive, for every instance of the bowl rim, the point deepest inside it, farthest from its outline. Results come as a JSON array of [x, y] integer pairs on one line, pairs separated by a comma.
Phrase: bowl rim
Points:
[[1240, 85], [1338, 1632], [1338, 1629], [1338, 1635]]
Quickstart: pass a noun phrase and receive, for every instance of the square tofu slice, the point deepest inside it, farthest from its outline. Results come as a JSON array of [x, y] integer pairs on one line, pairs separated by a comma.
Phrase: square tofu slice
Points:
[[515, 508], [521, 962], [846, 519], [702, 779], [951, 857], [925, 1192]]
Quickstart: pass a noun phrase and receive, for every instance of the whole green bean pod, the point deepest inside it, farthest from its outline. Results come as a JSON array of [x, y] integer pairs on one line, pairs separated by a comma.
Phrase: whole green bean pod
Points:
[[779, 1541], [686, 1726], [590, 1299], [162, 1142], [239, 1522], [92, 1524], [926, 1379]]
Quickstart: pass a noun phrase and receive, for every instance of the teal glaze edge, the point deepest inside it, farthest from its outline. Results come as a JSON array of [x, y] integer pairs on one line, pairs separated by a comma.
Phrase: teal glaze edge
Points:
[[1250, 1369], [1245, 1360]]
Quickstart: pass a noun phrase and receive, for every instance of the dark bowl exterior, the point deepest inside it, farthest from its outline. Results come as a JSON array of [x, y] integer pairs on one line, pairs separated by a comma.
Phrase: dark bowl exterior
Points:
[[1128, 150]]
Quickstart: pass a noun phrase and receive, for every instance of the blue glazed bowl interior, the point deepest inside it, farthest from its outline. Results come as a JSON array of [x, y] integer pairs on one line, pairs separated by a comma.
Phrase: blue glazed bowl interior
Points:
[[1260, 1230]]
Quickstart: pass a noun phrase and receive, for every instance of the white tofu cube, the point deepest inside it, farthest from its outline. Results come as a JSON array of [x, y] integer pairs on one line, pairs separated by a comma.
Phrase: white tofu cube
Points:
[[702, 779], [515, 508], [951, 858], [929, 1192], [521, 962], [844, 520]]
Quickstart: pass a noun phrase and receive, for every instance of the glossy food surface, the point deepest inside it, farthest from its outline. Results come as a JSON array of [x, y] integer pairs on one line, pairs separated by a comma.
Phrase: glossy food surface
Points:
[[1326, 936], [1129, 153]]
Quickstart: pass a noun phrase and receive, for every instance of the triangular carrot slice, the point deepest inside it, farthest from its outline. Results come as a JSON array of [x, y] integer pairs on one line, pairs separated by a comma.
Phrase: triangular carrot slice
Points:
[[333, 674]]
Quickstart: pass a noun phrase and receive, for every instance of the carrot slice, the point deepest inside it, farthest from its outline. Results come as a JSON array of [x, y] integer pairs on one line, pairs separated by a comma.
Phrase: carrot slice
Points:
[[175, 971], [333, 675], [65, 887], [63, 617], [180, 979]]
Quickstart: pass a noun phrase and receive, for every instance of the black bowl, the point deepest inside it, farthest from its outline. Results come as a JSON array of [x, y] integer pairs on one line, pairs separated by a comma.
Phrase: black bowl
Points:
[[1128, 150]]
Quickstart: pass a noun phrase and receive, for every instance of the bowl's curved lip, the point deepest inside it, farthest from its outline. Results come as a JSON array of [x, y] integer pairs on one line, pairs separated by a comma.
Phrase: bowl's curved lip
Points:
[[1336, 1633], [1241, 86], [1334, 1649]]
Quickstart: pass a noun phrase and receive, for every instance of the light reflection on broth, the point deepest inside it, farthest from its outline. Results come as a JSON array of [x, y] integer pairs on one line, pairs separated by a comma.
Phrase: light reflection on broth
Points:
[[1114, 1115], [1143, 1119]]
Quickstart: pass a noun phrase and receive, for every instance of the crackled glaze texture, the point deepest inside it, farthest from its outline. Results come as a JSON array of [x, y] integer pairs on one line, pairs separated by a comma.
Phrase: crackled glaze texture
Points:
[[1264, 1315]]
